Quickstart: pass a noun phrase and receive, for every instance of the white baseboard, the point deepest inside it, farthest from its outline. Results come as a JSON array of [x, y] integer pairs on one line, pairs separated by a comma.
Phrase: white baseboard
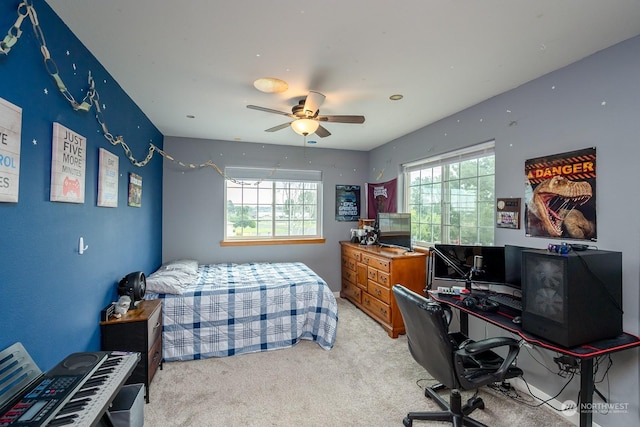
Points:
[[519, 384]]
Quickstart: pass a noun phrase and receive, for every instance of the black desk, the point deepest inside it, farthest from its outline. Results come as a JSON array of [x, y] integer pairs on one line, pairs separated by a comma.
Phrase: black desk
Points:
[[586, 352]]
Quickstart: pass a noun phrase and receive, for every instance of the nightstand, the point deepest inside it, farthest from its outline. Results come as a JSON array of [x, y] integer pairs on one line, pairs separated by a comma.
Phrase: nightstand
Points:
[[138, 330]]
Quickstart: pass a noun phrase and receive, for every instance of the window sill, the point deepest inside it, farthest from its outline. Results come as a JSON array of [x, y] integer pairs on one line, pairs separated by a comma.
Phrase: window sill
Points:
[[272, 242]]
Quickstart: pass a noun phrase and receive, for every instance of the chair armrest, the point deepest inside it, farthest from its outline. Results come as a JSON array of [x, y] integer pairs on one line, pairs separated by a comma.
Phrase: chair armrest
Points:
[[481, 346]]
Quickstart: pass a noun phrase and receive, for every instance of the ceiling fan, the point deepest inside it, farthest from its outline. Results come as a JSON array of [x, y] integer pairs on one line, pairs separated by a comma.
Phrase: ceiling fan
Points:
[[307, 118]]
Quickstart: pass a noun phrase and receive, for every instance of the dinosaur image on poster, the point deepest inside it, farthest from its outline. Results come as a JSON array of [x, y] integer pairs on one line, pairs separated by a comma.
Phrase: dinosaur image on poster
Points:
[[560, 196]]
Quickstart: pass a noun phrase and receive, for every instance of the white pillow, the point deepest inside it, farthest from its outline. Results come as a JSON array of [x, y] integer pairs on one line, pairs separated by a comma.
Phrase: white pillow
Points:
[[188, 265], [169, 281]]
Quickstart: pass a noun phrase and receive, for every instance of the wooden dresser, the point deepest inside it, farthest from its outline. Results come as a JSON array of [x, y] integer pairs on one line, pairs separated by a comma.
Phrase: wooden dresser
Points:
[[138, 330], [369, 272]]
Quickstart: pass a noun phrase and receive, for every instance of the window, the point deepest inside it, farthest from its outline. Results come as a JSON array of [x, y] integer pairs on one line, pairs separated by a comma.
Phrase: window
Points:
[[266, 204], [451, 197]]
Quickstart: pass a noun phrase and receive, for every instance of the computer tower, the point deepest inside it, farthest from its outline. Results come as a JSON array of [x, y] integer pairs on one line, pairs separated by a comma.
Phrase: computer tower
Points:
[[574, 298]]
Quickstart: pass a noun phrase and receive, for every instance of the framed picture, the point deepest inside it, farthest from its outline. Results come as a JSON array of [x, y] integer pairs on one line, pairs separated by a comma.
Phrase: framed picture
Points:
[[508, 213], [68, 162], [135, 190], [560, 196], [108, 179], [10, 128], [347, 202]]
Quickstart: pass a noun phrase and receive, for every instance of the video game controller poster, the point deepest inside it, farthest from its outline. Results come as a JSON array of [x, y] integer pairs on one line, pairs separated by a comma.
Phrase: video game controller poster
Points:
[[68, 162]]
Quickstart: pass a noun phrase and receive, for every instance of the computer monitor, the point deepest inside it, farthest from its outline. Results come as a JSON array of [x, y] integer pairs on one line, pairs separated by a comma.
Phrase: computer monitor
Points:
[[394, 229], [463, 256], [513, 268]]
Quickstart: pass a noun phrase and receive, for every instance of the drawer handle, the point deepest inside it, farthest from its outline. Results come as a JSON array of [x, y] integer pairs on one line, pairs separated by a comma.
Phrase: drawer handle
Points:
[[378, 292], [156, 327], [156, 356]]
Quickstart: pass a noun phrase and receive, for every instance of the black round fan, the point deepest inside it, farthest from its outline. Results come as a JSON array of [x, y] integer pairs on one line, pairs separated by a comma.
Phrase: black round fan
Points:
[[134, 285]]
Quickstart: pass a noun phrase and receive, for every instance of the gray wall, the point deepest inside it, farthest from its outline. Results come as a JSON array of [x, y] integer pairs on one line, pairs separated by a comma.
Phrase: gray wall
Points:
[[194, 201], [592, 103]]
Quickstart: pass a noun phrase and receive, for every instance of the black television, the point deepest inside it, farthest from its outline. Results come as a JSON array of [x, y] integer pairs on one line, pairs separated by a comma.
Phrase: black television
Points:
[[463, 257], [394, 229]]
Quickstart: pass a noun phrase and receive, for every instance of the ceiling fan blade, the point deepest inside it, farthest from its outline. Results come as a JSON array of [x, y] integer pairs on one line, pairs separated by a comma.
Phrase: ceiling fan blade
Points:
[[312, 103], [279, 127], [322, 132], [269, 110], [342, 119]]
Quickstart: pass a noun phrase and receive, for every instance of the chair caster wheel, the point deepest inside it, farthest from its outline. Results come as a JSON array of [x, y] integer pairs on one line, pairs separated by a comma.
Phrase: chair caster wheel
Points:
[[407, 422], [476, 402]]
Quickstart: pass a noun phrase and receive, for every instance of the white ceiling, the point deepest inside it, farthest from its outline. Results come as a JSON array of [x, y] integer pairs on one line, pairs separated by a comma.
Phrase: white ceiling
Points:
[[201, 57]]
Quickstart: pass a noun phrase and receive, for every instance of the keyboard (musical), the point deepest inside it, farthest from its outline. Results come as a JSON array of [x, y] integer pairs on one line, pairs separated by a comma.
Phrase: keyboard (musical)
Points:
[[506, 301], [76, 392]]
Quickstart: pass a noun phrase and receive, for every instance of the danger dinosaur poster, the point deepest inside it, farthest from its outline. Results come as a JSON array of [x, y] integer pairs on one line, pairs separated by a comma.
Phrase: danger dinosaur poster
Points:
[[560, 196]]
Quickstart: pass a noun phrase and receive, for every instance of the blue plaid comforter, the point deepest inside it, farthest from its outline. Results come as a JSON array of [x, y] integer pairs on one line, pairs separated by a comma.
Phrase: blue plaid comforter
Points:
[[244, 308]]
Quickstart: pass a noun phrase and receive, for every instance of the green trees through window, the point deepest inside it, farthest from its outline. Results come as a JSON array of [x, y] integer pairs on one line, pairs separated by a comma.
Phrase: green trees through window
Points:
[[452, 200]]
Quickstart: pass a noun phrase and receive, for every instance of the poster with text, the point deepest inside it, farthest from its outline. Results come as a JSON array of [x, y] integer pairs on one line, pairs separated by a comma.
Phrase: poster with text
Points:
[[68, 161], [347, 202], [560, 196], [10, 128], [135, 190], [382, 197], [108, 179]]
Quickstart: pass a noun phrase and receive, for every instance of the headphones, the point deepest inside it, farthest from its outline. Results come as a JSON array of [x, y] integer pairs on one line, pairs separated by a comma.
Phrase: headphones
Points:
[[481, 304]]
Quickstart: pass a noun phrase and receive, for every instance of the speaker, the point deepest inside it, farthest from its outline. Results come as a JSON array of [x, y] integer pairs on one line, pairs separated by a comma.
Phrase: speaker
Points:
[[572, 298]]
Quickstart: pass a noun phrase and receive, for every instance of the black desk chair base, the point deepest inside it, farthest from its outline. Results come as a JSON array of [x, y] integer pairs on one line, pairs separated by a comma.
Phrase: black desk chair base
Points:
[[452, 412]]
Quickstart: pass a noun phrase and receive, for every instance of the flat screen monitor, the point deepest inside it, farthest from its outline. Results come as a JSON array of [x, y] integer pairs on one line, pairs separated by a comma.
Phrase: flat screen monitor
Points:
[[513, 265], [394, 229], [493, 263]]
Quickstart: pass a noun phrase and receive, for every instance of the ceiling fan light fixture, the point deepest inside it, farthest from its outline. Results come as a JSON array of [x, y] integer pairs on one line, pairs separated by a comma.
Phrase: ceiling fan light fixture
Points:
[[271, 85], [304, 126]]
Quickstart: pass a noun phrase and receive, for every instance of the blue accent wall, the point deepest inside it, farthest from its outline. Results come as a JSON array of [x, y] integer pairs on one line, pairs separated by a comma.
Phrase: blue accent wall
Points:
[[50, 295]]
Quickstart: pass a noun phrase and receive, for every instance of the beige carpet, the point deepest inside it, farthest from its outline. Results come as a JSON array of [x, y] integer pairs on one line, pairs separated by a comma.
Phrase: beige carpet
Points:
[[367, 379]]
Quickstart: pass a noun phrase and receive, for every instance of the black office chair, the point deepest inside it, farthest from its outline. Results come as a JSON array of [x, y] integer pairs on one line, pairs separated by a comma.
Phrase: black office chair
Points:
[[457, 362]]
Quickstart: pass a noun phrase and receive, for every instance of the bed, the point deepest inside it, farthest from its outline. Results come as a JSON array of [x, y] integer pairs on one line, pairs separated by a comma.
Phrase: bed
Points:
[[217, 310]]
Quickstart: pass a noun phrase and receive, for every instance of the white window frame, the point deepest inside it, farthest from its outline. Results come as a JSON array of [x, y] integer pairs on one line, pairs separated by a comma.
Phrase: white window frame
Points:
[[444, 196], [269, 183]]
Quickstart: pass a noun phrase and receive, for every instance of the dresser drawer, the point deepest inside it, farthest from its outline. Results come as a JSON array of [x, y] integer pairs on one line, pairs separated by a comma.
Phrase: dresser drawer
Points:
[[154, 327], [377, 263], [376, 308], [351, 253], [381, 292], [348, 262], [154, 358], [383, 279], [349, 275], [351, 292]]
